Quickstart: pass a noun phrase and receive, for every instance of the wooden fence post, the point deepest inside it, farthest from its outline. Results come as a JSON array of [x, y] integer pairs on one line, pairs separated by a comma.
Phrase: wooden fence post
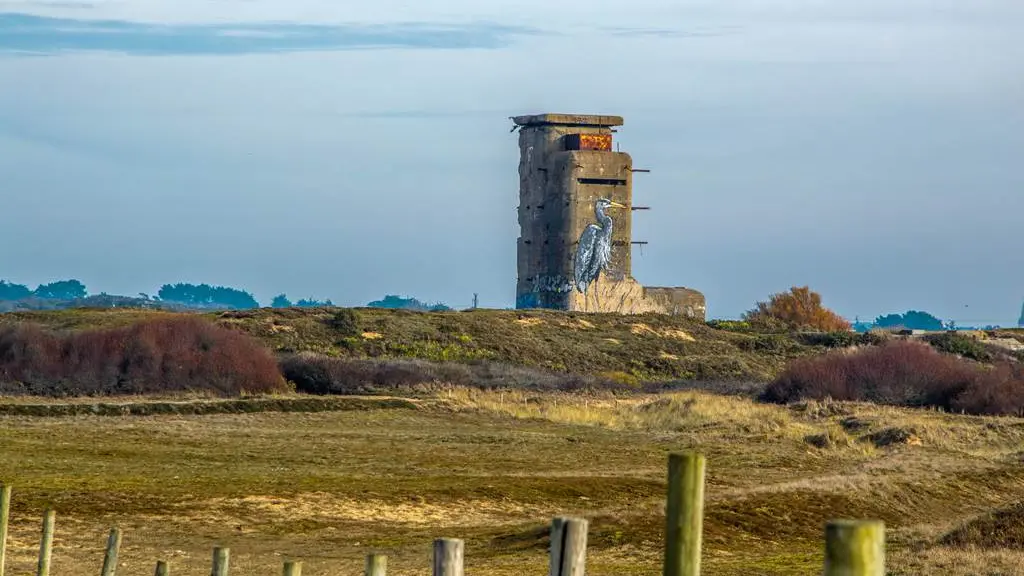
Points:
[[855, 548], [110, 558], [684, 514], [5, 514], [46, 545], [568, 546], [292, 568], [221, 559], [162, 569], [448, 556], [376, 565]]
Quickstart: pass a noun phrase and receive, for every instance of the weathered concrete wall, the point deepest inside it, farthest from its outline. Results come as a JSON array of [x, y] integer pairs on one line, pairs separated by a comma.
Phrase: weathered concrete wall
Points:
[[678, 300], [592, 165], [558, 192], [548, 209]]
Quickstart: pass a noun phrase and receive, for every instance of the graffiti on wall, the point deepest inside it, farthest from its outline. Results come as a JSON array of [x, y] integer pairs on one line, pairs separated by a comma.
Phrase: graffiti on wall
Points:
[[594, 250]]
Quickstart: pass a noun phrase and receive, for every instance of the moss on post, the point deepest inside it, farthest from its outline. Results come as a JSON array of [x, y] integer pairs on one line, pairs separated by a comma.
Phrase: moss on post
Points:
[[221, 561], [855, 548], [684, 514], [110, 558], [46, 544], [376, 565], [292, 568], [5, 515]]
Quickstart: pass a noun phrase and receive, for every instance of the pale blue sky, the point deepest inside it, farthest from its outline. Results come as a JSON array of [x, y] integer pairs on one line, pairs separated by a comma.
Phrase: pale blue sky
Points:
[[871, 149]]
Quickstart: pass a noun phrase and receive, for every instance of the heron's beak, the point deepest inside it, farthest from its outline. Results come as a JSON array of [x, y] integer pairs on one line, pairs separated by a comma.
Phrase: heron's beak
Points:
[[617, 205]]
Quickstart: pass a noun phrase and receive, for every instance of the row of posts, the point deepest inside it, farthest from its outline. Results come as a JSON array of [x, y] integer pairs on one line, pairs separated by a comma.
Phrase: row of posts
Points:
[[852, 548]]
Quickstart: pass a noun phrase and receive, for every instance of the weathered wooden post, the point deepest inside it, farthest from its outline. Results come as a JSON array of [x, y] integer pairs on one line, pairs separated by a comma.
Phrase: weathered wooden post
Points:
[[5, 515], [448, 556], [221, 558], [162, 569], [292, 568], [46, 545], [376, 565], [568, 546], [684, 514], [110, 558], [855, 548]]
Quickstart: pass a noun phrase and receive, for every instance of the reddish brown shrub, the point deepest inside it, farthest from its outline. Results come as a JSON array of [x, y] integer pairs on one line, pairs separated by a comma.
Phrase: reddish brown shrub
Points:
[[999, 391], [175, 354], [903, 373], [800, 308]]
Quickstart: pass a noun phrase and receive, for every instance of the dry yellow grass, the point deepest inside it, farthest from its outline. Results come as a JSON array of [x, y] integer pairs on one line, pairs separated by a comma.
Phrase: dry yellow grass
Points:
[[656, 413], [493, 468]]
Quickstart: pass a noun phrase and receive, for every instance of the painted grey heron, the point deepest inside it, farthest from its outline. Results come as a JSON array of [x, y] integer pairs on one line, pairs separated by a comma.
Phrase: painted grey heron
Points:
[[594, 251]]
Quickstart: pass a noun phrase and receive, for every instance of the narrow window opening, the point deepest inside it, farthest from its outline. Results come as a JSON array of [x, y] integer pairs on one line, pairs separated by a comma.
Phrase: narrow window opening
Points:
[[602, 181]]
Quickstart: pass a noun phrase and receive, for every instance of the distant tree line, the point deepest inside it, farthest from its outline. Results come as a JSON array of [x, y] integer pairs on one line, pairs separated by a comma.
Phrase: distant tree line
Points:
[[282, 301], [204, 295], [392, 301], [910, 320], [181, 295], [61, 290], [919, 320], [389, 301]]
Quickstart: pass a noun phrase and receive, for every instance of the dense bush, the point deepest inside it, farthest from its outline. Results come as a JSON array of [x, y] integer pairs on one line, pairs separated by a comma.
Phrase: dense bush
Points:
[[961, 345], [730, 325], [798, 309], [345, 322], [315, 374], [903, 373], [175, 354], [840, 339]]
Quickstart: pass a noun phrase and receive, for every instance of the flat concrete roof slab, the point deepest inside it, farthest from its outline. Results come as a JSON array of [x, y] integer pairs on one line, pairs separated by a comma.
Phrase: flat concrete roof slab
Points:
[[567, 120]]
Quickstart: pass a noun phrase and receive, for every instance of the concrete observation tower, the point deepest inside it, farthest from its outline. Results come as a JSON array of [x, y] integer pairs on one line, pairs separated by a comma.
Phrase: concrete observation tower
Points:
[[575, 218]]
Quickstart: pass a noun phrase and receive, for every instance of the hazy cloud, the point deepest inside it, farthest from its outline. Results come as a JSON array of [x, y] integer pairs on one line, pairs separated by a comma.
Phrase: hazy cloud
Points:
[[672, 32], [32, 34]]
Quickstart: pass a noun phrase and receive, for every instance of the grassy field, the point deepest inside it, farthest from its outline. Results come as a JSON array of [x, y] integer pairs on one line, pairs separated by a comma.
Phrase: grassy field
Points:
[[626, 349], [493, 468], [631, 348]]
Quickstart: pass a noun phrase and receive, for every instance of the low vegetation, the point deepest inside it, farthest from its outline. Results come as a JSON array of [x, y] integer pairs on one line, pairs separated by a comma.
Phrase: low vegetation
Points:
[[1000, 528], [484, 424], [904, 373], [643, 348], [329, 350], [159, 355], [313, 374], [800, 308], [494, 467]]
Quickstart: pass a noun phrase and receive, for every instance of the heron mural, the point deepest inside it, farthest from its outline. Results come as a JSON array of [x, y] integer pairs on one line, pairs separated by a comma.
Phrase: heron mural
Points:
[[594, 250]]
